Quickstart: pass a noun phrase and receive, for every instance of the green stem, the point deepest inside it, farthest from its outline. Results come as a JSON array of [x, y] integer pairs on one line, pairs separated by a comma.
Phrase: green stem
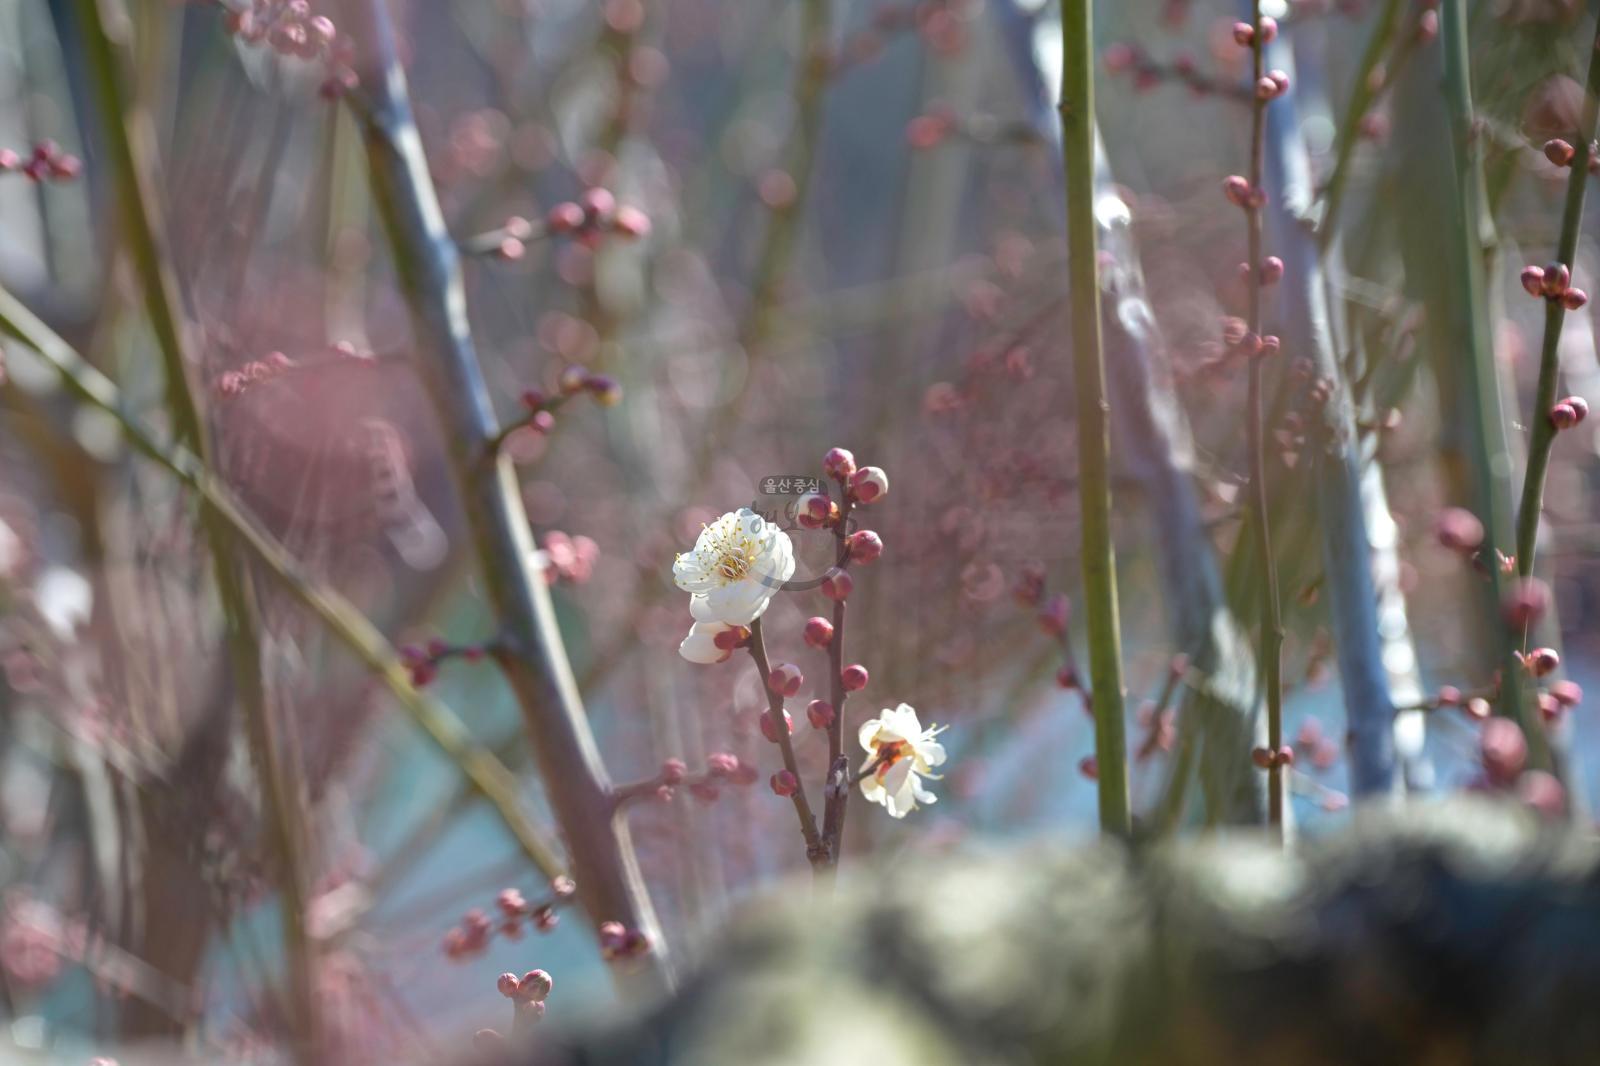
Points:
[[1492, 461], [1271, 654], [1542, 432], [131, 143], [1094, 442]]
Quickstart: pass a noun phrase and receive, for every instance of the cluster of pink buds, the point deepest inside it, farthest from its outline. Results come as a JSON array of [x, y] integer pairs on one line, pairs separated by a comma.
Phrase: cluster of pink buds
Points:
[[47, 162], [286, 26], [569, 559], [422, 660], [595, 214], [940, 23], [618, 942], [1273, 84], [527, 993], [1569, 412], [1267, 759], [1240, 193], [706, 786], [1237, 337], [1314, 745], [1503, 755], [471, 937], [1554, 282], [1558, 699], [1244, 34], [1460, 531], [1563, 154]]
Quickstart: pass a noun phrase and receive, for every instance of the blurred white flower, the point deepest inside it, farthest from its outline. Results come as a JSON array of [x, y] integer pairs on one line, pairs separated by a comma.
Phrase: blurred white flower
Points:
[[700, 646], [738, 564], [900, 753]]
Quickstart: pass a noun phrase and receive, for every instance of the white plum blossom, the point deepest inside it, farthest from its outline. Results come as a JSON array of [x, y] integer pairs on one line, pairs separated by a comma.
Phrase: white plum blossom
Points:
[[700, 646], [900, 753], [737, 565]]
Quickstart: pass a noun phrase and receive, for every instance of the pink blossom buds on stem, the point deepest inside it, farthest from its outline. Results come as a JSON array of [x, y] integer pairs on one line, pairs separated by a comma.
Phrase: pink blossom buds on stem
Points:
[[1267, 759], [839, 464], [1089, 767], [853, 677], [818, 632], [618, 942], [1244, 34], [820, 714], [673, 771], [785, 679], [869, 485], [1239, 193], [1067, 678], [784, 783], [837, 584], [1271, 270], [864, 546], [1569, 412], [770, 728]]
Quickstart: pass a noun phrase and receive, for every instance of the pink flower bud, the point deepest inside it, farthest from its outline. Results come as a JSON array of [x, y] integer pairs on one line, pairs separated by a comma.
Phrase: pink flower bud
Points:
[[1244, 34], [722, 764], [784, 783], [1237, 190], [1567, 693], [813, 509], [854, 677], [869, 484], [1579, 405], [1054, 614], [837, 584], [864, 546], [1503, 750], [536, 986], [820, 714], [1573, 299], [1542, 661], [565, 217], [839, 464], [598, 205], [1285, 756], [533, 399], [1533, 280], [631, 222], [1557, 277], [1067, 678], [511, 903], [507, 985], [1089, 767], [673, 771], [1525, 602], [1119, 57], [1262, 757], [1459, 530], [1559, 152], [769, 726], [1269, 29], [818, 632], [785, 679], [1541, 791], [1449, 696], [1562, 416], [1271, 270]]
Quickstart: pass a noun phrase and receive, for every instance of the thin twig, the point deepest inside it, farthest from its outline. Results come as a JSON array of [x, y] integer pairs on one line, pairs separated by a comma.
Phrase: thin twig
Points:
[[1094, 438]]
